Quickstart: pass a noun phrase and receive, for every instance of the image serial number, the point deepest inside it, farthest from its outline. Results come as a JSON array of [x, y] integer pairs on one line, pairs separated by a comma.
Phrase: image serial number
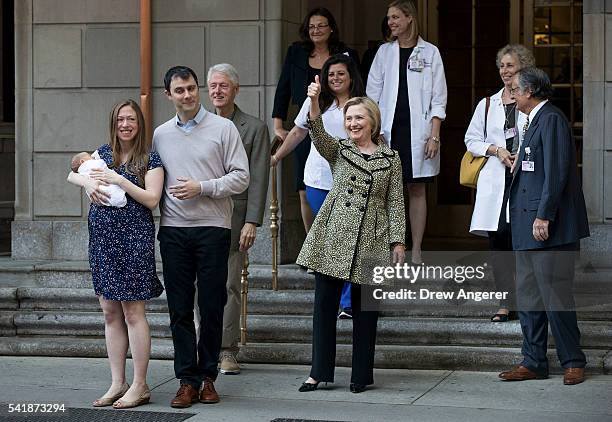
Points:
[[36, 407]]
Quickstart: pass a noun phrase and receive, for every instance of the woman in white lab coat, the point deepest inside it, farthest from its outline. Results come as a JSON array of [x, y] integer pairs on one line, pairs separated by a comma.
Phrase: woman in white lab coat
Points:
[[407, 80], [499, 140]]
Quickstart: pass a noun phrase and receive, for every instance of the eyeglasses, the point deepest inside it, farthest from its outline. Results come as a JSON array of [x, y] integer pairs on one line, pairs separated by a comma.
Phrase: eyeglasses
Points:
[[320, 27], [514, 90]]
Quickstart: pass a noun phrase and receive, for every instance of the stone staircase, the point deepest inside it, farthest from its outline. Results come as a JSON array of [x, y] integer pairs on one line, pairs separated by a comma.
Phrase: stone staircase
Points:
[[49, 309]]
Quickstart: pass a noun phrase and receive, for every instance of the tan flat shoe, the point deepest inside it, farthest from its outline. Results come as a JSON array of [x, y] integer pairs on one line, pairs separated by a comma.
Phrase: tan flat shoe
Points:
[[108, 401], [144, 398]]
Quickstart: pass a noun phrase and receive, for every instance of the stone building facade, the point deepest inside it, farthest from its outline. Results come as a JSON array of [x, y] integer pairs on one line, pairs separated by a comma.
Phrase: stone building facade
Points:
[[75, 58]]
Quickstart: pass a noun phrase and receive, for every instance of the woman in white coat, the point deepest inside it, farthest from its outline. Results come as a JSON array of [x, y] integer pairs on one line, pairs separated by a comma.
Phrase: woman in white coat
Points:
[[407, 80], [497, 136]]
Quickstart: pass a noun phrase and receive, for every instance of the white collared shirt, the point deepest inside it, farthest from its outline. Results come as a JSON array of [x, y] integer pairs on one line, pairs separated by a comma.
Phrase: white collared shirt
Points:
[[317, 173], [190, 124], [535, 110]]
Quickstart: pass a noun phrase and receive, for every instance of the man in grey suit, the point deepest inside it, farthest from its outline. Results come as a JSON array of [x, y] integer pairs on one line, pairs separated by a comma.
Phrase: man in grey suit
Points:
[[223, 86], [548, 218]]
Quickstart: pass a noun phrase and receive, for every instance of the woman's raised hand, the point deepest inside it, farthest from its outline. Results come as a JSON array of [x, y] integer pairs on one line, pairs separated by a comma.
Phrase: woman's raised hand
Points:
[[314, 89]]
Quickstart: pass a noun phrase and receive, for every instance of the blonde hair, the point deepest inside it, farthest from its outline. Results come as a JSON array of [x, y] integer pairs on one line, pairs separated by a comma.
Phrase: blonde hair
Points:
[[373, 113], [408, 8]]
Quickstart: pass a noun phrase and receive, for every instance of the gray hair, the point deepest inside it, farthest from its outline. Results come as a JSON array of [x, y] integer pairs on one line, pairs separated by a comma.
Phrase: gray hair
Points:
[[536, 81], [524, 55], [227, 69]]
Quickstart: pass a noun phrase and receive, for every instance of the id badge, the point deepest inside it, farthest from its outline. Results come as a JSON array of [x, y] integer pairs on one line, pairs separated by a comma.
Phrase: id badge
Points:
[[527, 166], [510, 132], [416, 65]]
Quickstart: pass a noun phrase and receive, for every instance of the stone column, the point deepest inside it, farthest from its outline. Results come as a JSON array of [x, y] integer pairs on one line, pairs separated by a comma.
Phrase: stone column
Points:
[[597, 131], [282, 21], [29, 238]]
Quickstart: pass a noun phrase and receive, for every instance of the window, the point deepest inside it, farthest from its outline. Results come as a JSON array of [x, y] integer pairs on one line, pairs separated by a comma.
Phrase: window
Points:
[[557, 46]]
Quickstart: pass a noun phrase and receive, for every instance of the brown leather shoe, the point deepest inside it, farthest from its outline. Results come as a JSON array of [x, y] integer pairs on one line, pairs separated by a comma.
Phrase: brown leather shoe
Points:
[[520, 373], [209, 394], [185, 396], [573, 376]]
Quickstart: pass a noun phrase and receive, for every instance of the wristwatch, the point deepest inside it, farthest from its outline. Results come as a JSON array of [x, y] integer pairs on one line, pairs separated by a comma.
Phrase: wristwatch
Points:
[[436, 139]]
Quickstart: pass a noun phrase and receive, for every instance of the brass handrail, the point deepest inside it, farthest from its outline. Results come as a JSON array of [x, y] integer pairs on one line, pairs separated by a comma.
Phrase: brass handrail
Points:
[[244, 290], [276, 142]]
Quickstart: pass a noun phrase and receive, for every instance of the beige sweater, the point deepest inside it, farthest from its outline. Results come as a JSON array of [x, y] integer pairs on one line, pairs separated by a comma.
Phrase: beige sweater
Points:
[[211, 153]]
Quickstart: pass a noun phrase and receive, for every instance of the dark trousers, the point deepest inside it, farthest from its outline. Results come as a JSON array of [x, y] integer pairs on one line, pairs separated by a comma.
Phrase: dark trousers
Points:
[[544, 284], [502, 258], [327, 298], [190, 253]]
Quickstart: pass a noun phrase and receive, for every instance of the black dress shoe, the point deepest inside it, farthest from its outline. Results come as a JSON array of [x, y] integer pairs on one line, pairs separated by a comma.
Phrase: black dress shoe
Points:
[[307, 386], [357, 388]]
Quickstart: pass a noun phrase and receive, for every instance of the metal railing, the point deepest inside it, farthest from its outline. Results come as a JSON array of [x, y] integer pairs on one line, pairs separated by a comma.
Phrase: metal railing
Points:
[[276, 142], [244, 276]]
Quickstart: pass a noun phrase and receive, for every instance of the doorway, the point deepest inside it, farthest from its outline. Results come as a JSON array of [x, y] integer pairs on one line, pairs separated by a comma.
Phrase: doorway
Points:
[[7, 124], [468, 34]]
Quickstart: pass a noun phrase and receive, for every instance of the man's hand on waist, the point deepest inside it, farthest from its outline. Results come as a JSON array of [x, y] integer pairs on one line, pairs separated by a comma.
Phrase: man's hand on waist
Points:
[[185, 189]]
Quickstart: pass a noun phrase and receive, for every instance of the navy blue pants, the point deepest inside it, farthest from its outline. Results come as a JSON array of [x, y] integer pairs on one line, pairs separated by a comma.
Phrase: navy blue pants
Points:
[[327, 297], [190, 253], [544, 295], [315, 198]]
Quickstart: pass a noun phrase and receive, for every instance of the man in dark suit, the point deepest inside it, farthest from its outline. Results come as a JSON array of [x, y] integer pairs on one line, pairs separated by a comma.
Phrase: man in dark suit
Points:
[[548, 218], [249, 206]]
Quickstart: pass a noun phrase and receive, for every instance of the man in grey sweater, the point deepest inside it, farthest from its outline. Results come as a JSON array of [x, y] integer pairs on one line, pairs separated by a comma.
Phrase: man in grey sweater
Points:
[[205, 164]]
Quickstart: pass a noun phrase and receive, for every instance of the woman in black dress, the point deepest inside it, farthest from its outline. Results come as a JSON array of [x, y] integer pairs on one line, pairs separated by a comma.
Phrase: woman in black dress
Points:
[[320, 39], [122, 249], [407, 80]]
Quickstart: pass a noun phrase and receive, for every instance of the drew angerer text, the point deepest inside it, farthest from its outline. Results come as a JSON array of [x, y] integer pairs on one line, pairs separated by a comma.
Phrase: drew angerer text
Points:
[[424, 294]]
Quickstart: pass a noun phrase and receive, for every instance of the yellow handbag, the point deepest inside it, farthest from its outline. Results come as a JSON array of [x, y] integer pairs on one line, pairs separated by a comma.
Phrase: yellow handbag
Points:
[[470, 169], [470, 165]]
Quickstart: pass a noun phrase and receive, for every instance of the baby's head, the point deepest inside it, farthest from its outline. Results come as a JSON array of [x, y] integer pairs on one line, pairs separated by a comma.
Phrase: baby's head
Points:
[[78, 159]]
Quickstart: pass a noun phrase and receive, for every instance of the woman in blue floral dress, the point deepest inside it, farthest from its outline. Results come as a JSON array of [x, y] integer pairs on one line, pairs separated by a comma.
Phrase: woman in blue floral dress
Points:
[[122, 249]]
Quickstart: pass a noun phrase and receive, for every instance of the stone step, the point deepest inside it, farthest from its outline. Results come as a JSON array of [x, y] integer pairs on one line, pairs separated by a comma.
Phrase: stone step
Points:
[[298, 329], [293, 302], [75, 274], [282, 302], [387, 356]]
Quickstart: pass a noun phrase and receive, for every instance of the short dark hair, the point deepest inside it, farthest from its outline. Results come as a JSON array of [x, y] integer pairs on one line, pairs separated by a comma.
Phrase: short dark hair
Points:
[[182, 72], [536, 81], [334, 43], [326, 99]]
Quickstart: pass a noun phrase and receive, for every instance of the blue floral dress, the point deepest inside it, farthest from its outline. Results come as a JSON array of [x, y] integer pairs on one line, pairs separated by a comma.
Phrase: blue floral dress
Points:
[[122, 244]]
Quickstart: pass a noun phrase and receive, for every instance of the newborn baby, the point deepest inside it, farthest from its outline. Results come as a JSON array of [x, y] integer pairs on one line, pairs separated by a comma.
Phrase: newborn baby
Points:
[[83, 163]]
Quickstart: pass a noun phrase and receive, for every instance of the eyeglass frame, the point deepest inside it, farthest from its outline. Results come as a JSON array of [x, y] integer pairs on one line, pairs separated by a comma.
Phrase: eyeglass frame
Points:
[[320, 27]]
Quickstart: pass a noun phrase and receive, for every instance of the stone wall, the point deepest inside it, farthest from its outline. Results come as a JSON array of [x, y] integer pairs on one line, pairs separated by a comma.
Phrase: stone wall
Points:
[[597, 150], [78, 57], [1, 67], [597, 131]]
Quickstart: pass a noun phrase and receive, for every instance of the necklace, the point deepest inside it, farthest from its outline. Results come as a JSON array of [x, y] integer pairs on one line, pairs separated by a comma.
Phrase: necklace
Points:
[[509, 110]]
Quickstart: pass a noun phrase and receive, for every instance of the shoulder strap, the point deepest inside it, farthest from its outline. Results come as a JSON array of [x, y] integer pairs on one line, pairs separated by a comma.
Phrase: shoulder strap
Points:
[[488, 103]]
